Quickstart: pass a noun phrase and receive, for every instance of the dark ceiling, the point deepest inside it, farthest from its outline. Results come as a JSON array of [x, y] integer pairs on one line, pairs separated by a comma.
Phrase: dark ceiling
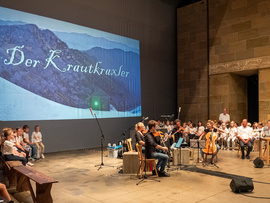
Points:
[[180, 3]]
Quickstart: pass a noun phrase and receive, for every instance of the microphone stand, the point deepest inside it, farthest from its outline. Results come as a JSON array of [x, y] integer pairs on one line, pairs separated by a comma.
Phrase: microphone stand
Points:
[[101, 142]]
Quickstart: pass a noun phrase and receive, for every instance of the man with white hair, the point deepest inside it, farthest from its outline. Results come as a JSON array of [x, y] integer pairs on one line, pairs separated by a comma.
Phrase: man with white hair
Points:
[[244, 135]]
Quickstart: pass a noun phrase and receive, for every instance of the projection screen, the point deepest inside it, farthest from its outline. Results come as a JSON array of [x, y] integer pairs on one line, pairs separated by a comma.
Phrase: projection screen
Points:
[[50, 69]]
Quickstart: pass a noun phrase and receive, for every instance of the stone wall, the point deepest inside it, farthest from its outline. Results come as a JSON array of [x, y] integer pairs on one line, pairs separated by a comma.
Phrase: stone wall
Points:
[[228, 91], [192, 75], [239, 43], [239, 46], [264, 95], [239, 29]]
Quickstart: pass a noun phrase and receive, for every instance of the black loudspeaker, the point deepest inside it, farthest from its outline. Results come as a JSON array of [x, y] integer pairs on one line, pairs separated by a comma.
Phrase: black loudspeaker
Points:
[[258, 163], [241, 185]]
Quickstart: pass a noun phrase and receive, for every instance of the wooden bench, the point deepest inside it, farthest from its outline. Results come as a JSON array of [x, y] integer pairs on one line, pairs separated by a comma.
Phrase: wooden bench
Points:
[[11, 173], [43, 183]]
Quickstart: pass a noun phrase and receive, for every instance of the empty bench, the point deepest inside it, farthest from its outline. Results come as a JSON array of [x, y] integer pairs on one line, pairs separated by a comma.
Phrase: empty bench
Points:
[[43, 183]]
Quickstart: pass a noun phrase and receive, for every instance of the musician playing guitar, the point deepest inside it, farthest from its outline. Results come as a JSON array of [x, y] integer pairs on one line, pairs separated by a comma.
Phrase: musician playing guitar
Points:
[[176, 133], [212, 129], [151, 149]]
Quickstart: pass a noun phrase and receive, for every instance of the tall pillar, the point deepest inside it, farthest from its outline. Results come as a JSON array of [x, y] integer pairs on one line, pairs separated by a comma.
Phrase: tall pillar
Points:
[[264, 95]]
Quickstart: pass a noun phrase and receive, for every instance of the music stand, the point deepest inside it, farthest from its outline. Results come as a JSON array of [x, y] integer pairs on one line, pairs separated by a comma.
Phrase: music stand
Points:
[[178, 145], [200, 144]]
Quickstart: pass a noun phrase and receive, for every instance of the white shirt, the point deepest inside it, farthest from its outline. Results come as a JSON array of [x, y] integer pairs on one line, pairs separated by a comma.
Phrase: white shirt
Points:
[[224, 134], [244, 133], [232, 131], [192, 130], [266, 131], [224, 118], [26, 136], [36, 137], [20, 139], [186, 129], [200, 129], [8, 147]]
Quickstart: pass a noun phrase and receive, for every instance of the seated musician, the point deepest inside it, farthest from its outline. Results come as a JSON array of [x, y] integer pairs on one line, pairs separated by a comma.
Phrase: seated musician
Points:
[[244, 135], [176, 133], [139, 127], [210, 127], [151, 149]]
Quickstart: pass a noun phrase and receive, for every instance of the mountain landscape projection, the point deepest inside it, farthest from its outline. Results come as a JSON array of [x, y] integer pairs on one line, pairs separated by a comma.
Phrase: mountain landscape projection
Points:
[[103, 75]]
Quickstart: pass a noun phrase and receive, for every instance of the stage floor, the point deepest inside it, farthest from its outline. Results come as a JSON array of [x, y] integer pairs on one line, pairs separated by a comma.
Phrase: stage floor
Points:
[[79, 180]]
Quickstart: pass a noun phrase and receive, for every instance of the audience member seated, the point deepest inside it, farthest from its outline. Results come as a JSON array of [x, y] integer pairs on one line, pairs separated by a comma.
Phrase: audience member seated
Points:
[[168, 126], [27, 141], [266, 129], [4, 193], [244, 135], [200, 130], [191, 133], [17, 143], [232, 135], [223, 136], [8, 147], [37, 140]]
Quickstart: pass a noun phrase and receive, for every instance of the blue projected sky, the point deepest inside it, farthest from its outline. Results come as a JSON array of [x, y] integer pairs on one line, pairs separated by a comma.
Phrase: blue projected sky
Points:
[[59, 70]]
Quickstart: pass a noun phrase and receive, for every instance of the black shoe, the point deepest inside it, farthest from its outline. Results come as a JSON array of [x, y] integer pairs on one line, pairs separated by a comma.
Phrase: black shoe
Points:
[[163, 174], [248, 157], [154, 172], [243, 157]]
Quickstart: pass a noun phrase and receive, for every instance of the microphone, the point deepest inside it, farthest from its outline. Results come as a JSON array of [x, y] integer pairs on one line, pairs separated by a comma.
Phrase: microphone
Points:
[[144, 119], [91, 112]]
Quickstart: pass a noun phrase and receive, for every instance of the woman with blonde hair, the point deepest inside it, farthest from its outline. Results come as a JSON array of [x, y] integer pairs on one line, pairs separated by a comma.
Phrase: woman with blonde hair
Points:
[[139, 127], [9, 151]]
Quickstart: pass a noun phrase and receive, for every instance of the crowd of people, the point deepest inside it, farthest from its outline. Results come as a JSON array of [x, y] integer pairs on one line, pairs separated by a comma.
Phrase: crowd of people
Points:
[[227, 135], [17, 146]]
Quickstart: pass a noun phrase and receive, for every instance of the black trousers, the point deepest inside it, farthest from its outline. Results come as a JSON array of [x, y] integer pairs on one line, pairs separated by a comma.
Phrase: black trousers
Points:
[[242, 145], [26, 152], [11, 157]]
